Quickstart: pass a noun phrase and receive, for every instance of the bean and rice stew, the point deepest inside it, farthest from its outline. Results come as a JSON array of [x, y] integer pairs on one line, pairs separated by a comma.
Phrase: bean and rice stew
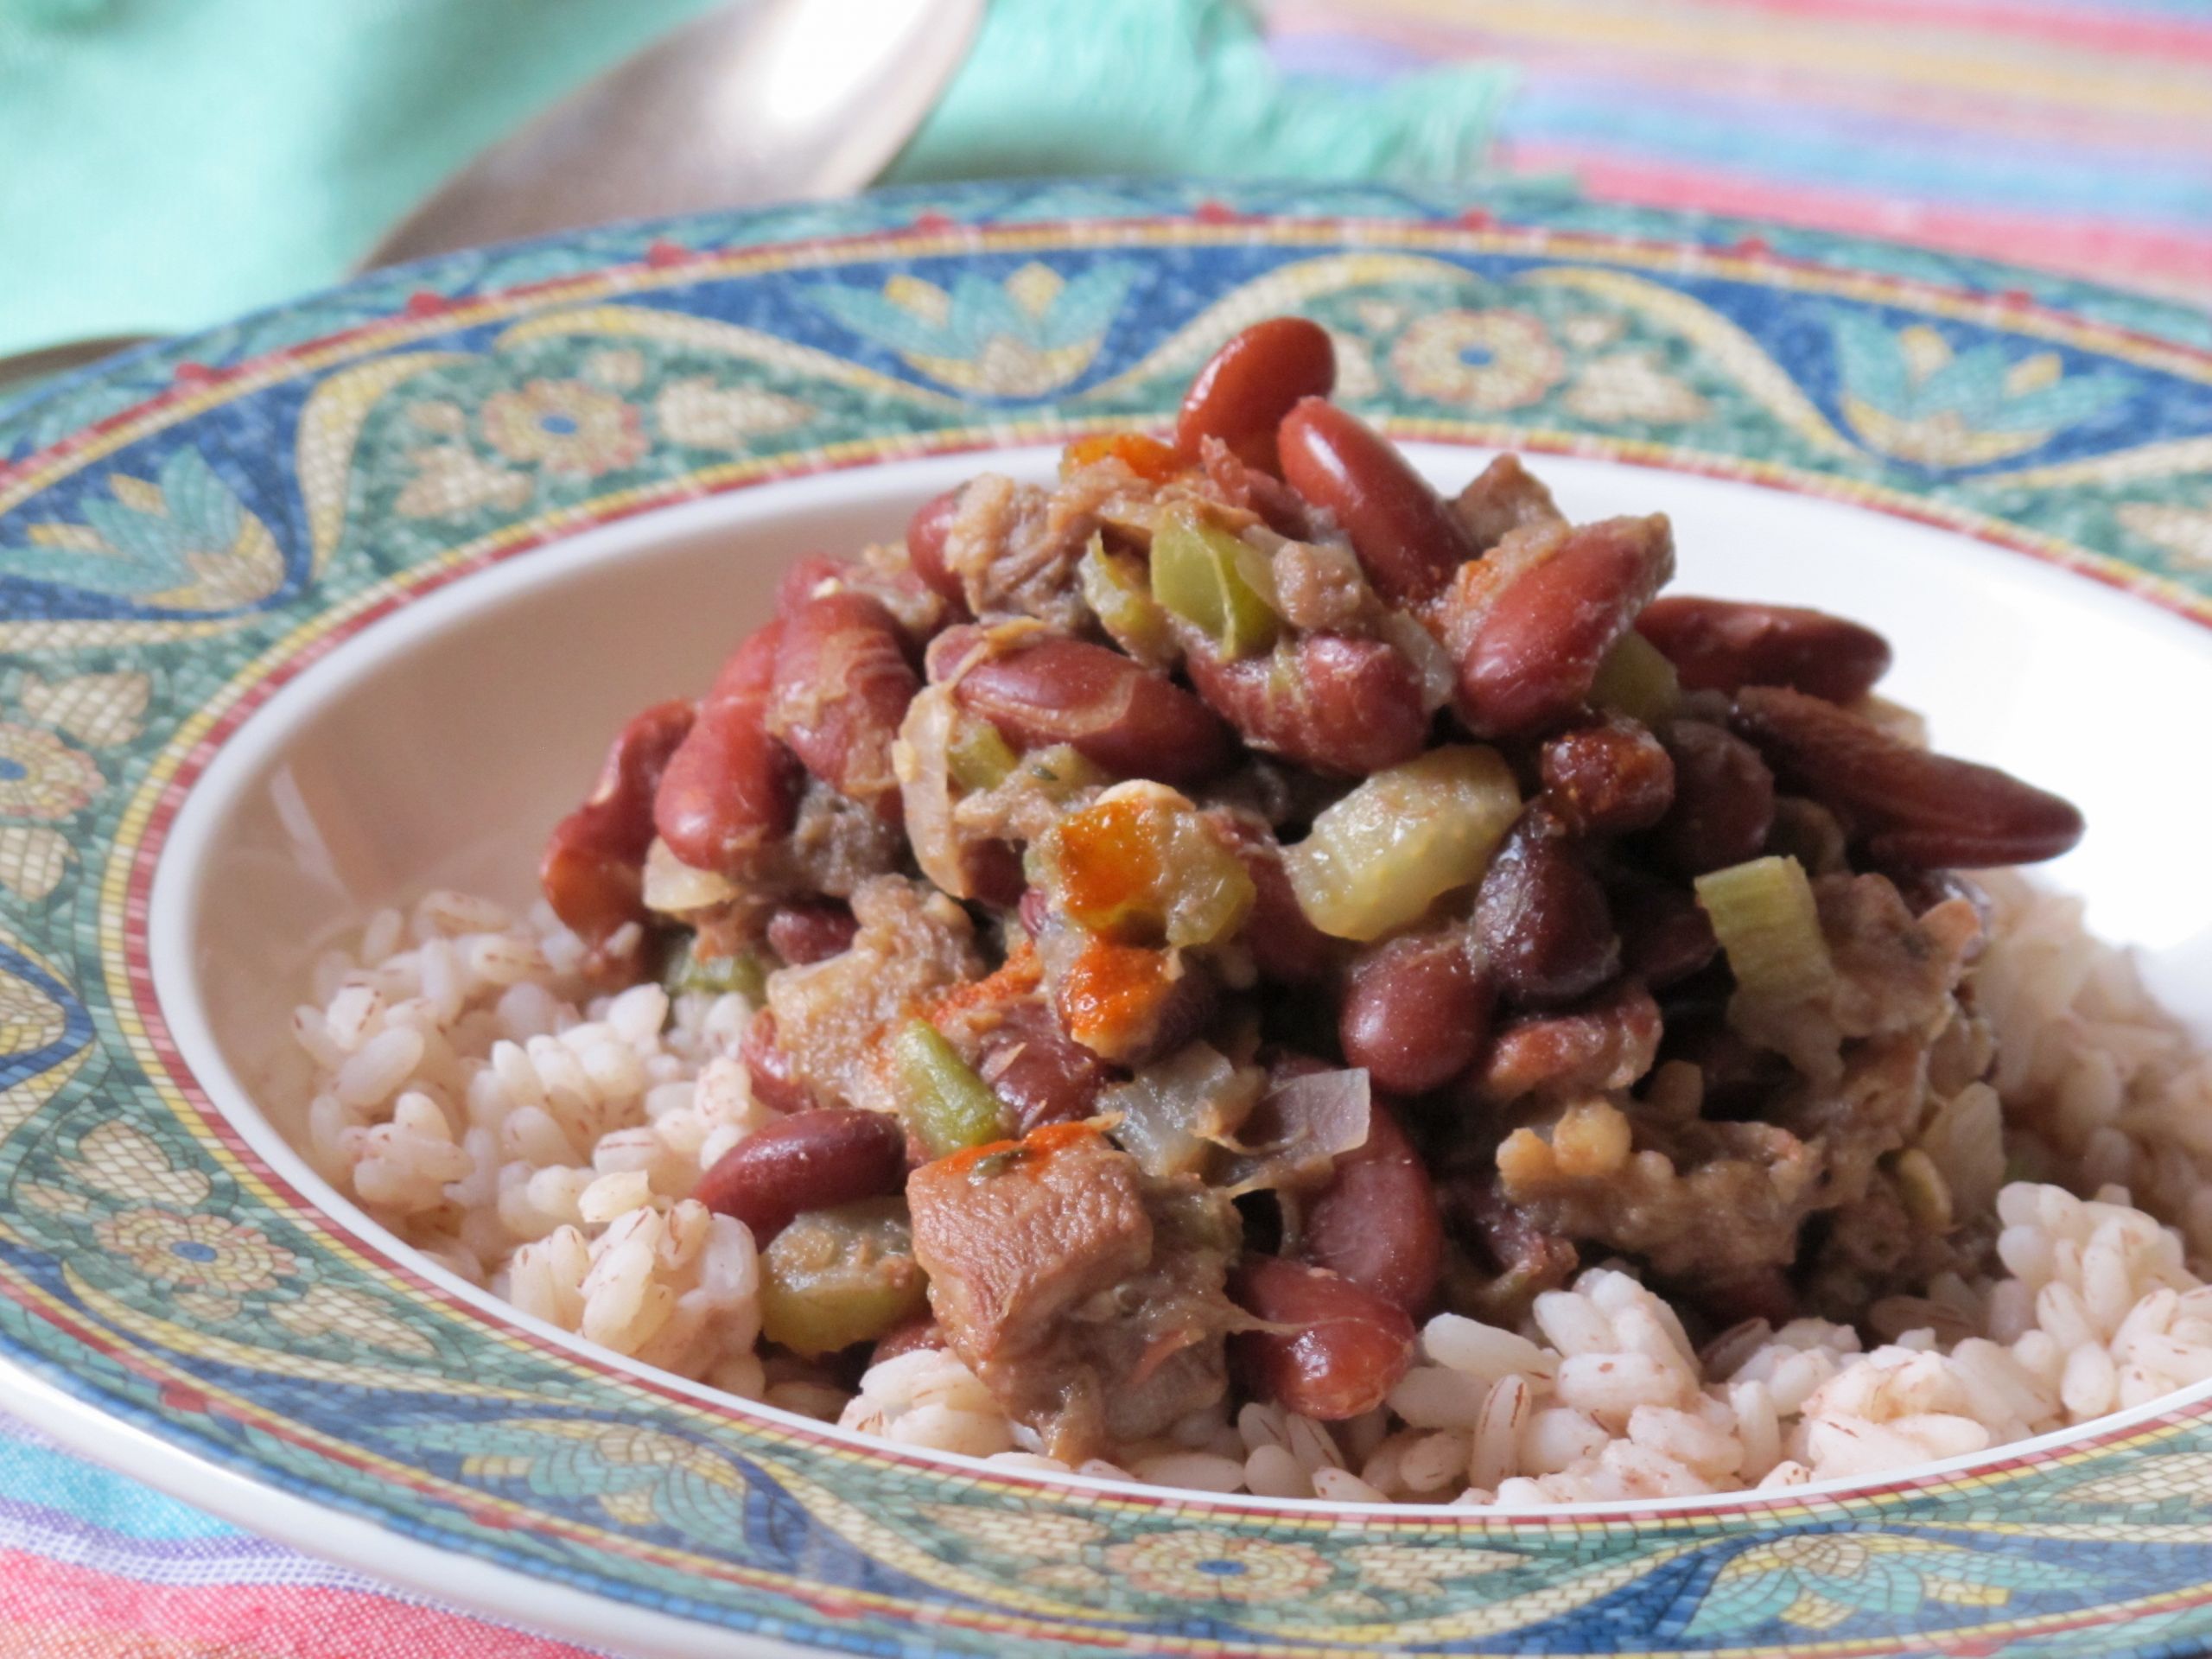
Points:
[[1233, 970]]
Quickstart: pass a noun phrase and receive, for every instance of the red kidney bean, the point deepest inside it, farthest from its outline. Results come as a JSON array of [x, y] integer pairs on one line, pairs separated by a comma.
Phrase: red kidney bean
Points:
[[1724, 800], [1415, 1011], [1718, 645], [1608, 779], [768, 1069], [920, 1334], [1339, 1349], [842, 686], [1376, 1222], [1729, 1299], [1407, 540], [925, 536], [1915, 810], [1041, 1071], [1541, 917], [1606, 1045], [1328, 700], [1665, 934], [1115, 712], [810, 929], [994, 876], [1530, 660], [730, 788], [812, 571], [1287, 948], [592, 870], [811, 1160], [1246, 388], [1524, 1259]]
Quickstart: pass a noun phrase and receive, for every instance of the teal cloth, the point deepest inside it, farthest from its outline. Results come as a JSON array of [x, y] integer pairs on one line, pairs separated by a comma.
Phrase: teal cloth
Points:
[[167, 163]]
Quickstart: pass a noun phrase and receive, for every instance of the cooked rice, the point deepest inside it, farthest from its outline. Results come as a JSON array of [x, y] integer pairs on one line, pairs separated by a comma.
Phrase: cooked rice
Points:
[[538, 1137]]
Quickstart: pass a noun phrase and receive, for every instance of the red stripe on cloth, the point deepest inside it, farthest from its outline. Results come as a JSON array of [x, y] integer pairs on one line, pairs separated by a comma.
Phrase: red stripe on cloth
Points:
[[2177, 260], [52, 1611]]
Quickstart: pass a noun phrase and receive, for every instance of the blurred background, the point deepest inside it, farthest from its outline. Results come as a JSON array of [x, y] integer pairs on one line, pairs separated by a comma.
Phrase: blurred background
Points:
[[167, 163]]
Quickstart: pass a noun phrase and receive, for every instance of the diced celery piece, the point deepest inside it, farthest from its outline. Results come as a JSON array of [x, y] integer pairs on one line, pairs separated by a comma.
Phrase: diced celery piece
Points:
[[1215, 581], [1410, 833], [1114, 587], [1763, 914], [1635, 679], [978, 757], [949, 1108], [836, 1277], [686, 970]]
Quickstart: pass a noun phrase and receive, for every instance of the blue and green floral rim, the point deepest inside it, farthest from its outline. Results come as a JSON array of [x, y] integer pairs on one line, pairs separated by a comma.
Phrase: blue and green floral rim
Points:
[[183, 531]]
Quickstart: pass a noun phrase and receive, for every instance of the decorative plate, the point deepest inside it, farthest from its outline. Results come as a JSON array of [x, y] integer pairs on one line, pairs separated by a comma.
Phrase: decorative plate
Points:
[[186, 529]]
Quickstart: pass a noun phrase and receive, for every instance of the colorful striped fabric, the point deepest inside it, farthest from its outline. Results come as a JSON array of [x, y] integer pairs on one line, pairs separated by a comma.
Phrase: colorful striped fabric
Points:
[[2075, 135], [96, 1566]]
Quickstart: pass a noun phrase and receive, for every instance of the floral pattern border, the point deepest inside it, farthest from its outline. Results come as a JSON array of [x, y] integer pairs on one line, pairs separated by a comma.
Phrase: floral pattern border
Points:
[[180, 530]]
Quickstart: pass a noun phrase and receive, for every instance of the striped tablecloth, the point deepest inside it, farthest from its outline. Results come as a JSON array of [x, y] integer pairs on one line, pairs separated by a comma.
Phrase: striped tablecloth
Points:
[[2071, 134], [2075, 135]]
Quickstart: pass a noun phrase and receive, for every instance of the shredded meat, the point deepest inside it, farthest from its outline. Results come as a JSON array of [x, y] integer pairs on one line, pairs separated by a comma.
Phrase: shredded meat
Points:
[[1015, 547], [1088, 1298], [1696, 1194], [833, 1018]]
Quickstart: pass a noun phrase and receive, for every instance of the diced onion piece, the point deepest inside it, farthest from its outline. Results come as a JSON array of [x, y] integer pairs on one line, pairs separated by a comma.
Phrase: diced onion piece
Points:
[[1635, 679], [1173, 1112], [1139, 866], [1215, 581], [1294, 1136], [1114, 588], [923, 759], [1439, 673], [949, 1108], [1763, 915], [1379, 857], [674, 888]]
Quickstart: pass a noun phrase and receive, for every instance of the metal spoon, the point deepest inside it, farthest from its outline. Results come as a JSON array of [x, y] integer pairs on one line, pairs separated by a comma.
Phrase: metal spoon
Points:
[[761, 100]]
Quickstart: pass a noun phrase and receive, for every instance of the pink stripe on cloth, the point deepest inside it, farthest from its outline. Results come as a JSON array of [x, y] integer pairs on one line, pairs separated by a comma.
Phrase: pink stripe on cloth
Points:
[[50, 1611], [2096, 29], [2176, 261]]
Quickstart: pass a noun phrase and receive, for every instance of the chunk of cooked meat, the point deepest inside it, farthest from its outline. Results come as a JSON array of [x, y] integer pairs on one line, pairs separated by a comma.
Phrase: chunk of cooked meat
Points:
[[834, 1018], [1504, 496], [1699, 1195], [1087, 1297]]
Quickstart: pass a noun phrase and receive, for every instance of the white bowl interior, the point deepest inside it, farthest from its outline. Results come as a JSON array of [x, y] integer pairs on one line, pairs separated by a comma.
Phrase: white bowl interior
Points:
[[438, 747]]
